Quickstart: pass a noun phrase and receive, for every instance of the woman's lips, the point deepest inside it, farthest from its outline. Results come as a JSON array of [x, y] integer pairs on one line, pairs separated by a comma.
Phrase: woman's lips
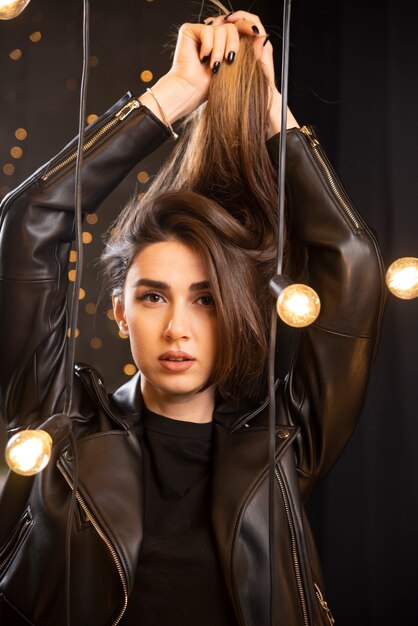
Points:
[[176, 360]]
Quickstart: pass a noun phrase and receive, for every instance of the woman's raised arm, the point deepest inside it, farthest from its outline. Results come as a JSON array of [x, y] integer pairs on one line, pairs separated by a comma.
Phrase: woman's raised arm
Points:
[[36, 231]]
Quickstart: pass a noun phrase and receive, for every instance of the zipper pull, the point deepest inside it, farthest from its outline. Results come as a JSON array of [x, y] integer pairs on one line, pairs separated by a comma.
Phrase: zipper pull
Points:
[[324, 605], [127, 109], [309, 134]]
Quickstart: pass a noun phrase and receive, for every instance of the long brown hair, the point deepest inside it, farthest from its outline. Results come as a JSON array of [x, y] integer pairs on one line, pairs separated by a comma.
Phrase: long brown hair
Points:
[[222, 153], [218, 193]]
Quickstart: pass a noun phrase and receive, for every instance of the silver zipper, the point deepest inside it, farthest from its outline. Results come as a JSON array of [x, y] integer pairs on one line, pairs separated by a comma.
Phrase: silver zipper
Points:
[[324, 605], [315, 145], [118, 117], [106, 540], [294, 548], [14, 542]]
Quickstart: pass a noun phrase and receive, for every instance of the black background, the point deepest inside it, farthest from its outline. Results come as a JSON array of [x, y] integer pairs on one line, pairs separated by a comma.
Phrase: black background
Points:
[[354, 75]]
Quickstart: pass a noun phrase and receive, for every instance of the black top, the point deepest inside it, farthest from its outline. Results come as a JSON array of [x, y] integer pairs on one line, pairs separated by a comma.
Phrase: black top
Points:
[[178, 580]]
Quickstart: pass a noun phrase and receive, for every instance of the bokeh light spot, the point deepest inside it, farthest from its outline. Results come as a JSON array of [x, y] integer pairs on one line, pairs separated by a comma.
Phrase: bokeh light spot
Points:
[[8, 169], [16, 152], [21, 134], [36, 36], [16, 54], [146, 76]]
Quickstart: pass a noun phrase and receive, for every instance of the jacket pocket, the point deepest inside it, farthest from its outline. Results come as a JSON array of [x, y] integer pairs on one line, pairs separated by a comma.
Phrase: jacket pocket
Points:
[[9, 551], [324, 605]]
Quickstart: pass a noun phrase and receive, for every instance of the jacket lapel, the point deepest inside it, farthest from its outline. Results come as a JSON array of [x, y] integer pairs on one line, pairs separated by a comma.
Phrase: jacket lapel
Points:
[[240, 464], [113, 496]]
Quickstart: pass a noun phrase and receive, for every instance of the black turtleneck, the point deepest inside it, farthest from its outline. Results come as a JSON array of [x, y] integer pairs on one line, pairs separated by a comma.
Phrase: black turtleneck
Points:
[[178, 580]]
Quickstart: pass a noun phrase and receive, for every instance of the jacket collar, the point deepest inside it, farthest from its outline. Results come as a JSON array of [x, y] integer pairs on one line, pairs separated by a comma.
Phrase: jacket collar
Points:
[[127, 400]]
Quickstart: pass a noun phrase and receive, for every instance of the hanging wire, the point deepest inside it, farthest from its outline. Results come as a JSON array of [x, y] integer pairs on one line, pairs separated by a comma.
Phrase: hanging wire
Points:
[[75, 301], [273, 327], [78, 216], [202, 6]]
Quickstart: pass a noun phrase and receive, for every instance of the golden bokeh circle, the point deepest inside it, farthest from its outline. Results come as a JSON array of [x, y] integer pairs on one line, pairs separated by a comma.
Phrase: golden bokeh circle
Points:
[[16, 152], [129, 369], [8, 169], [87, 237], [36, 36], [21, 134], [92, 218], [96, 343], [16, 54], [91, 118], [90, 308], [146, 76], [143, 177]]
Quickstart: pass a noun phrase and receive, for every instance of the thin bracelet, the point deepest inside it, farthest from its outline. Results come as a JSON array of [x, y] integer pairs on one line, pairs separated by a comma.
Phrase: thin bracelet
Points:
[[163, 115]]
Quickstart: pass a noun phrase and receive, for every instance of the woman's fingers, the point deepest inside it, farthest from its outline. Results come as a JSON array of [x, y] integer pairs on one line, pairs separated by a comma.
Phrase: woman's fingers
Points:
[[218, 51], [245, 23], [206, 42], [221, 42], [232, 43], [250, 24], [246, 26]]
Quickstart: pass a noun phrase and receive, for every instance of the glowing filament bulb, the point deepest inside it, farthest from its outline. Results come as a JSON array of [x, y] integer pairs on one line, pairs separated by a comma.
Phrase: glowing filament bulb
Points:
[[402, 278], [298, 305], [12, 8], [28, 452]]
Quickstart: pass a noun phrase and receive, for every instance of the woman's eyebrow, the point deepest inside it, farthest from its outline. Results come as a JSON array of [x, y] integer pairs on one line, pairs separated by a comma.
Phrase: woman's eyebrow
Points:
[[204, 284], [148, 282], [159, 284]]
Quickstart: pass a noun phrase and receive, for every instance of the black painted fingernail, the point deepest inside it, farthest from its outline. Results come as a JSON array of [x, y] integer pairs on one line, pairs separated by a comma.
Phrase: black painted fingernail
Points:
[[266, 40], [216, 66], [228, 15], [255, 29], [205, 58], [230, 58]]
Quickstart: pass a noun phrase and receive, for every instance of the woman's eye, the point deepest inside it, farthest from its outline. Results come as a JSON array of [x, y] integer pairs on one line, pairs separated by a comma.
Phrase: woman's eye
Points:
[[154, 298], [207, 300]]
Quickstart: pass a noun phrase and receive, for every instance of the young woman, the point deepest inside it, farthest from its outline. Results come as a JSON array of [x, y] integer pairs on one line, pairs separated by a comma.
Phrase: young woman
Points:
[[171, 523]]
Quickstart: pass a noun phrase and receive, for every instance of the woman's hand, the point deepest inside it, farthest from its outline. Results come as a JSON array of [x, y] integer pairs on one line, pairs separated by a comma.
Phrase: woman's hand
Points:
[[200, 50]]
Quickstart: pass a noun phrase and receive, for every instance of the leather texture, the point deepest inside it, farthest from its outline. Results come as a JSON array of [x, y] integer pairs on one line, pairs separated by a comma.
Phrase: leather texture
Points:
[[318, 404]]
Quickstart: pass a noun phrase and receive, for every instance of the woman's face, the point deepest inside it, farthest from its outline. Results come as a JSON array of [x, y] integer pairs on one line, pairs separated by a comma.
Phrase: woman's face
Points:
[[169, 313]]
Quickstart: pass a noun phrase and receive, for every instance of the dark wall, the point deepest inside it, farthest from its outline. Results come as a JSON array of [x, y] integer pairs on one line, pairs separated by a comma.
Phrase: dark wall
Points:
[[353, 74]]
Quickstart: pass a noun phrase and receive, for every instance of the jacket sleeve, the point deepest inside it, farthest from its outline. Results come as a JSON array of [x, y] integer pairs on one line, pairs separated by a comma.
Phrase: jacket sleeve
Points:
[[36, 231], [326, 385]]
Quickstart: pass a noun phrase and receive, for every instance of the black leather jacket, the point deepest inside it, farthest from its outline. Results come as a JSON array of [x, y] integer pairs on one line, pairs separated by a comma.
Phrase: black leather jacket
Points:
[[319, 403]]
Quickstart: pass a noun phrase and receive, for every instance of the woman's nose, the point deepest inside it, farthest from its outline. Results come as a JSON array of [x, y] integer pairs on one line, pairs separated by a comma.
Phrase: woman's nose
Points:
[[178, 322]]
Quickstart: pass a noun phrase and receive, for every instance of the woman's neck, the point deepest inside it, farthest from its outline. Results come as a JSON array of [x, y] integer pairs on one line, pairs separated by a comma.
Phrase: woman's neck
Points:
[[196, 407]]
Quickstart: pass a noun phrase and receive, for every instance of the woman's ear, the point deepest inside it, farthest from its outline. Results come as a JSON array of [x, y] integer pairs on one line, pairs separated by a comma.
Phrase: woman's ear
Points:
[[119, 314]]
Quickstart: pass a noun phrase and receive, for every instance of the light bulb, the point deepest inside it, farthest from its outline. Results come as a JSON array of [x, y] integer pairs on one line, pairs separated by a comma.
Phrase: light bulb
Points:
[[402, 278], [12, 8], [298, 305], [28, 452]]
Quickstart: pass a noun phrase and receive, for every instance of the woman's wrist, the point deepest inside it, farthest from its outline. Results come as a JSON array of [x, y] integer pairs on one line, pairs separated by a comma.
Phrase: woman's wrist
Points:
[[174, 96]]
